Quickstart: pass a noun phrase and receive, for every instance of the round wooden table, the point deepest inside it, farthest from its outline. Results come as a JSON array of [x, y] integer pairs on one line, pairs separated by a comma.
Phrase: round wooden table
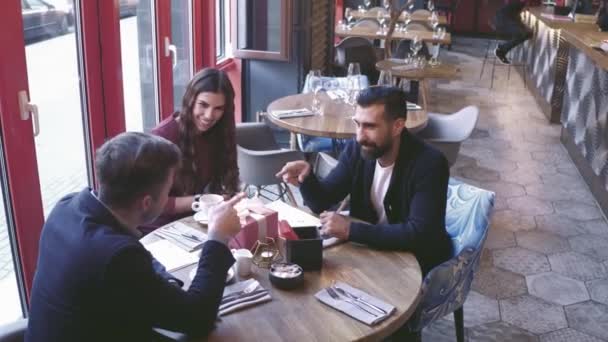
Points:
[[296, 315], [335, 122]]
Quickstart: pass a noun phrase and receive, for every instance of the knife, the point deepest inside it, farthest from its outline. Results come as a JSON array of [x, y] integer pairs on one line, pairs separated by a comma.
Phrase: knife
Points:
[[248, 298], [359, 299]]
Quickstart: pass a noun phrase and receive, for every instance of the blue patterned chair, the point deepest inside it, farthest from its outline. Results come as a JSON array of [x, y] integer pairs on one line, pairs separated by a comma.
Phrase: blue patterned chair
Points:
[[445, 287]]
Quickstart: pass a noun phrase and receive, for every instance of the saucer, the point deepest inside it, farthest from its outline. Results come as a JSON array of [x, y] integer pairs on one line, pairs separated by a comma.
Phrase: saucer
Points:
[[201, 217], [229, 276]]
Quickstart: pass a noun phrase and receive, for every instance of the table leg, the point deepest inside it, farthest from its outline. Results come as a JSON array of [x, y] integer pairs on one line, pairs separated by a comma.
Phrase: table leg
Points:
[[424, 94], [293, 141]]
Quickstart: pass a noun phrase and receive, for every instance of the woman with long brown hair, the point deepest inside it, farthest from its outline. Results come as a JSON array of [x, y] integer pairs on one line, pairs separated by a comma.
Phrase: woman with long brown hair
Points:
[[204, 130]]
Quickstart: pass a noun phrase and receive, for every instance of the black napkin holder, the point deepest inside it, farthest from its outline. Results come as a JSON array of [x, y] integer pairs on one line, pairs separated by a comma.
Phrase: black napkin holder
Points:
[[307, 251]]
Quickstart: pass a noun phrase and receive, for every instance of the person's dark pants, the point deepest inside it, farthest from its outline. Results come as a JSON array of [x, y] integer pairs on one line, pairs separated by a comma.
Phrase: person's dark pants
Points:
[[516, 32]]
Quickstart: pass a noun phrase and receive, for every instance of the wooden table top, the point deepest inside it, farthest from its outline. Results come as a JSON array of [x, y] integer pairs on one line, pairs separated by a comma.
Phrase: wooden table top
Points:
[[415, 17], [442, 71], [371, 33], [297, 315], [336, 121]]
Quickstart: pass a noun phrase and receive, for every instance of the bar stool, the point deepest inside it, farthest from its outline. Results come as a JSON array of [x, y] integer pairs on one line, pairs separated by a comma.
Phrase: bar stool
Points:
[[492, 45]]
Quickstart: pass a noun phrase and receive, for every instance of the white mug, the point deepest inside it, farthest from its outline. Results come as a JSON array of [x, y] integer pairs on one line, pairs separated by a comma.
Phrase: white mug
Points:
[[206, 201], [244, 259]]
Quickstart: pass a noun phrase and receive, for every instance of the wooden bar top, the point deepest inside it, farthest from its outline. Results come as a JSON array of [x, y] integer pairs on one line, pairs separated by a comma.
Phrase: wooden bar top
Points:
[[585, 37], [544, 13]]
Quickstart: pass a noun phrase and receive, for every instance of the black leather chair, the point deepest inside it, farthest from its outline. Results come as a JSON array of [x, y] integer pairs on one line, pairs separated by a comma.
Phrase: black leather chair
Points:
[[13, 332], [356, 50]]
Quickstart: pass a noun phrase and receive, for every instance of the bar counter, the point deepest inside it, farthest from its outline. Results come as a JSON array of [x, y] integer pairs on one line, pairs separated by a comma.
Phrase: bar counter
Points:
[[568, 75]]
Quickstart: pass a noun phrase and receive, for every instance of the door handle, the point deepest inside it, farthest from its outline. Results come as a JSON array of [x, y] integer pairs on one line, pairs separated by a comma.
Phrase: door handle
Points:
[[171, 49], [25, 108]]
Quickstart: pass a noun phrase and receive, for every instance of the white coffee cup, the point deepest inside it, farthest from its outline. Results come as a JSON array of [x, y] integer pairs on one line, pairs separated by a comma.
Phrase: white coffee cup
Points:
[[244, 259], [205, 202]]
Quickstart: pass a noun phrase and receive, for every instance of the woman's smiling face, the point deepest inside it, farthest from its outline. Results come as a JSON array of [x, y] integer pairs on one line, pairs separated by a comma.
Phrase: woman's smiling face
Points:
[[208, 110]]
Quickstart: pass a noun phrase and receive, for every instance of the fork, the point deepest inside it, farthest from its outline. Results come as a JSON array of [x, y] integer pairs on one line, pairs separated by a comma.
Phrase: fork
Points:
[[250, 288], [358, 299], [332, 293]]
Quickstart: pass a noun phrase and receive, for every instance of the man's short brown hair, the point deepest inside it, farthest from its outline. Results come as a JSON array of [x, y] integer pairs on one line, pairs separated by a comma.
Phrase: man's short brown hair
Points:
[[133, 164]]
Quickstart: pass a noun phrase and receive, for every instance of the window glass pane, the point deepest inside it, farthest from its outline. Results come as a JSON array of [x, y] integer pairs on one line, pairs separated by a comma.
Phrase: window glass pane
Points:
[[219, 28], [181, 38], [9, 294], [54, 84], [137, 48]]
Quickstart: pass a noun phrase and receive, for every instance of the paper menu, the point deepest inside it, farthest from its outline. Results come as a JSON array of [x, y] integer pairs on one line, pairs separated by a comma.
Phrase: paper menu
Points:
[[171, 256], [294, 216]]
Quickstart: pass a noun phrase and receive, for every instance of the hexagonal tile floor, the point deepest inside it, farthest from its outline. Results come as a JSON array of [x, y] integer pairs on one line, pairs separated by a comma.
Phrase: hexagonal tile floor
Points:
[[546, 225]]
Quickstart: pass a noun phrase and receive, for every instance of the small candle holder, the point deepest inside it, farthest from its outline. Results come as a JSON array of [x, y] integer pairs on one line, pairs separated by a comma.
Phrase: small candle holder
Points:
[[265, 253]]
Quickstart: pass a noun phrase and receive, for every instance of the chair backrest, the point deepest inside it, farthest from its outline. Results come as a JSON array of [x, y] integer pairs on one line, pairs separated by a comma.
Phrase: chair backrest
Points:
[[13, 332], [422, 12], [359, 50], [259, 156], [324, 164], [447, 132], [255, 136], [418, 27], [445, 287], [371, 23], [374, 10]]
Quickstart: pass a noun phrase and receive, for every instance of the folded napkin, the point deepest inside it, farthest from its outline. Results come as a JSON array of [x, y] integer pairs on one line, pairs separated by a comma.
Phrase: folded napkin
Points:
[[352, 309], [413, 106], [244, 301], [181, 235]]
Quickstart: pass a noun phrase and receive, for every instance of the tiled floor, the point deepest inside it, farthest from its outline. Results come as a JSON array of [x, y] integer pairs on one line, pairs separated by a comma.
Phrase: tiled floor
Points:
[[544, 270]]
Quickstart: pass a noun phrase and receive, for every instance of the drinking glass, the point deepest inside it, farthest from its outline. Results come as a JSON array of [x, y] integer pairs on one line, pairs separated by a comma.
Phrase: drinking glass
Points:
[[404, 85], [434, 19], [354, 85], [386, 78], [416, 45], [386, 4], [348, 14], [407, 18], [315, 83], [381, 19], [354, 69], [434, 55]]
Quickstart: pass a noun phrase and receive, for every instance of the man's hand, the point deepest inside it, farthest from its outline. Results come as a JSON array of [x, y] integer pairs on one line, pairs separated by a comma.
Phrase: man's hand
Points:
[[294, 172], [335, 225], [223, 220]]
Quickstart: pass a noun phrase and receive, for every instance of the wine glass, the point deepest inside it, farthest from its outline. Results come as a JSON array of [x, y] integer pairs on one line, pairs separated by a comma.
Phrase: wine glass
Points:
[[407, 18], [416, 45], [348, 14], [430, 5], [354, 85], [434, 19], [381, 19], [385, 78], [386, 4], [315, 83], [367, 3], [434, 55]]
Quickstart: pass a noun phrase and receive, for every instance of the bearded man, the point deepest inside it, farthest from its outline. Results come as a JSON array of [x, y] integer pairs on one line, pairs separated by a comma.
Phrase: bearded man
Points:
[[396, 182]]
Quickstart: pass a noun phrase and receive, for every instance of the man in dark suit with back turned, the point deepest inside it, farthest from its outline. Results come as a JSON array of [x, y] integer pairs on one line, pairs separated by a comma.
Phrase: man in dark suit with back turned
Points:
[[96, 282], [396, 182]]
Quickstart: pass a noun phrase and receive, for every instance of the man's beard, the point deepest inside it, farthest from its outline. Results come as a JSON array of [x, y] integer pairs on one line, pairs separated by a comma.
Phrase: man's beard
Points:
[[373, 151]]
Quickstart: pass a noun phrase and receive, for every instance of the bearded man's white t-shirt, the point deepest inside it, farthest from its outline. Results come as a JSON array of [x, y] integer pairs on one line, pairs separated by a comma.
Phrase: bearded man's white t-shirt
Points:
[[382, 179]]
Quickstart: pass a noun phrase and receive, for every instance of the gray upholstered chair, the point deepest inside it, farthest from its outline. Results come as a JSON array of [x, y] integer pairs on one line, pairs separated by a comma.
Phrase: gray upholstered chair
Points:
[[446, 132], [13, 332], [260, 158], [445, 287], [323, 165]]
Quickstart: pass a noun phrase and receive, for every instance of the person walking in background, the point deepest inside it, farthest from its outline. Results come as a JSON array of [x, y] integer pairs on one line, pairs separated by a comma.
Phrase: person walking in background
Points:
[[508, 22]]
